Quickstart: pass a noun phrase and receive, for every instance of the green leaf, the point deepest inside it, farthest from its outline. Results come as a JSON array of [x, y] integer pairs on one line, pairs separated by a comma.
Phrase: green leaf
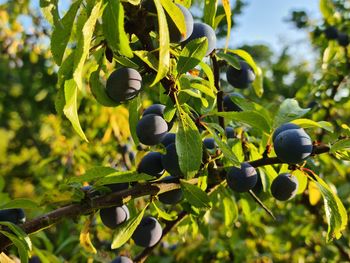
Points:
[[62, 31], [218, 20], [258, 82], [289, 110], [20, 203], [126, 62], [163, 214], [134, 105], [164, 47], [192, 54], [306, 123], [124, 232], [336, 214], [302, 180], [195, 196], [84, 40], [188, 144], [223, 146], [252, 118], [210, 8], [21, 246], [209, 73], [230, 210], [247, 105], [340, 145], [327, 9], [329, 53], [113, 28], [124, 177], [70, 110], [19, 233], [106, 175], [65, 71], [148, 58], [227, 9], [49, 9], [230, 59], [204, 89], [176, 15]]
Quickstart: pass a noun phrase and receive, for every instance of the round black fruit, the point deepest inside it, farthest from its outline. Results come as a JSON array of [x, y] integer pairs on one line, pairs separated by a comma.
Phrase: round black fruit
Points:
[[229, 105], [284, 127], [123, 84], [293, 146], [13, 215], [331, 32], [284, 187], [174, 32], [240, 78], [114, 216], [242, 179], [230, 132], [148, 232], [151, 164], [157, 109], [168, 139], [34, 259], [122, 259], [151, 129], [343, 39], [209, 143], [173, 196], [170, 161], [204, 30]]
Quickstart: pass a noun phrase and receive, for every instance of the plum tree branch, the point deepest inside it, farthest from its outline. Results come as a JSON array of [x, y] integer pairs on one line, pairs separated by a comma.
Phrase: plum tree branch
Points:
[[219, 95], [121, 197]]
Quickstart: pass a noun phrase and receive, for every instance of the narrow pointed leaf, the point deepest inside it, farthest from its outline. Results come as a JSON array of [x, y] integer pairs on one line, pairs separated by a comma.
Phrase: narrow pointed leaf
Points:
[[62, 31], [192, 54], [124, 232], [164, 48], [113, 28], [70, 110]]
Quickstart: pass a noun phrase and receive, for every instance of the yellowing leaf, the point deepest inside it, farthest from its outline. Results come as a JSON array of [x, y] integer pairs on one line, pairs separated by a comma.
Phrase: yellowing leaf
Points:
[[227, 8], [314, 193], [84, 238], [5, 259], [71, 108], [164, 47]]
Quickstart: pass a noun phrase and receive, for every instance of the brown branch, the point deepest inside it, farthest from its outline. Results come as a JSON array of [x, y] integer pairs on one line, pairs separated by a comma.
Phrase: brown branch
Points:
[[219, 95], [119, 198], [87, 206]]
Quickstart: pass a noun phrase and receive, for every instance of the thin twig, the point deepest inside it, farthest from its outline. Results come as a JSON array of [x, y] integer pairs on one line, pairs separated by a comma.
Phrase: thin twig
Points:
[[263, 206], [219, 95]]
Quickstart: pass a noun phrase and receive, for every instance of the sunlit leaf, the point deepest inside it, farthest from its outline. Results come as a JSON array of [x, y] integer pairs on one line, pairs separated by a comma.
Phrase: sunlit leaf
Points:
[[195, 196], [124, 232]]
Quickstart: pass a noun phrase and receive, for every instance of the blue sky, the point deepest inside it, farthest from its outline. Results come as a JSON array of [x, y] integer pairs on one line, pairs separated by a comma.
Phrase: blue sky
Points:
[[262, 21]]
